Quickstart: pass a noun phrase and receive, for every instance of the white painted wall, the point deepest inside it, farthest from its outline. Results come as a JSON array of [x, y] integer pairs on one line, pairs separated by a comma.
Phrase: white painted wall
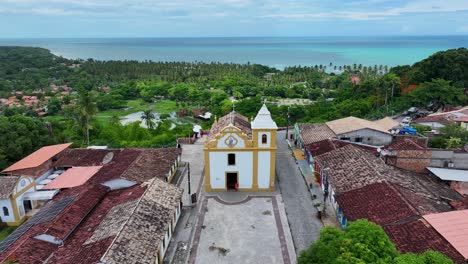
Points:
[[263, 169], [268, 144], [219, 167], [433, 125], [222, 144], [6, 203]]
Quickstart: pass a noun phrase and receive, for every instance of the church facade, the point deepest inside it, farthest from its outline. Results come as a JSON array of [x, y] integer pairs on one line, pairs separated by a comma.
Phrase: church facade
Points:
[[240, 155]]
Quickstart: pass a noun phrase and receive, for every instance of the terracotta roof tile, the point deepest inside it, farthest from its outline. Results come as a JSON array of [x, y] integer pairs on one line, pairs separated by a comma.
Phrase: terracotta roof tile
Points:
[[7, 185], [38, 157], [138, 239], [406, 144], [349, 124], [311, 133], [83, 225], [453, 226], [238, 121], [73, 177], [418, 236], [438, 119], [378, 202], [349, 168], [82, 157], [461, 204], [144, 168]]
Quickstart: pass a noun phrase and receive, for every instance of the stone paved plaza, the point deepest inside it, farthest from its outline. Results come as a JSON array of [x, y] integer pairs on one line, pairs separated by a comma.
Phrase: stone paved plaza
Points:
[[253, 230]]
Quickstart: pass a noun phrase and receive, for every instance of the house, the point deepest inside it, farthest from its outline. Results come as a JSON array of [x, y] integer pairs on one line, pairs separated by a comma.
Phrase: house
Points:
[[453, 227], [418, 236], [14, 208], [360, 185], [310, 137], [120, 209], [458, 179], [39, 163], [435, 122], [241, 155], [361, 131], [349, 168]]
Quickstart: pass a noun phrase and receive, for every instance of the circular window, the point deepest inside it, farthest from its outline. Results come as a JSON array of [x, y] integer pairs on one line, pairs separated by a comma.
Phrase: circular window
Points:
[[23, 183]]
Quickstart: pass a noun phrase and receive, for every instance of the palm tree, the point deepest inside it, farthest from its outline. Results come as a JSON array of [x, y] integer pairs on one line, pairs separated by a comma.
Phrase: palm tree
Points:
[[87, 108], [148, 117]]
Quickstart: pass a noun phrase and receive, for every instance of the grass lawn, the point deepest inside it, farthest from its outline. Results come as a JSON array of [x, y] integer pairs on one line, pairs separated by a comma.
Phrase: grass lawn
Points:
[[6, 231], [165, 106]]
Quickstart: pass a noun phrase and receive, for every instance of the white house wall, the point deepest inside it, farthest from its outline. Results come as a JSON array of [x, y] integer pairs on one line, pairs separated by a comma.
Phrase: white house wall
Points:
[[219, 167], [6, 203], [222, 141], [264, 169], [369, 136], [434, 125]]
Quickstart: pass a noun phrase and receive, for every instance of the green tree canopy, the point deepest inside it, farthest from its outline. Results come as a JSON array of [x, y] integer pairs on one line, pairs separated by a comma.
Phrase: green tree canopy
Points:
[[361, 242]]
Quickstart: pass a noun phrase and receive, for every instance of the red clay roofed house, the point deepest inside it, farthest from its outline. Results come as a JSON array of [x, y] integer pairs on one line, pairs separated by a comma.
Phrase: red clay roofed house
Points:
[[38, 162], [453, 226], [84, 224], [408, 155], [378, 202], [418, 236], [435, 122], [73, 177]]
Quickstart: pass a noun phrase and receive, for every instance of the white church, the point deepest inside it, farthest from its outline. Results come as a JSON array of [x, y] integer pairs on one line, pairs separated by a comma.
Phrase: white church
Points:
[[240, 155]]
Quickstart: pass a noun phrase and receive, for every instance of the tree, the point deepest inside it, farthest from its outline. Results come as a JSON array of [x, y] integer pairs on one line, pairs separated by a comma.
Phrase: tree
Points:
[[53, 106], [453, 143], [20, 136], [87, 108], [439, 90], [362, 242], [148, 117]]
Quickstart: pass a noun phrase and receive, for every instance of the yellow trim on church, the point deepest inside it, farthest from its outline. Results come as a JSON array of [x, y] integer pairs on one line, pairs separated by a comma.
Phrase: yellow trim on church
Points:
[[251, 146]]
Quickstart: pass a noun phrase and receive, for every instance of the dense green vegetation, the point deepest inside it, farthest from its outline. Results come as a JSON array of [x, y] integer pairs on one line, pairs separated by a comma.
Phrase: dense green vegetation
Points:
[[21, 135], [104, 91], [362, 242]]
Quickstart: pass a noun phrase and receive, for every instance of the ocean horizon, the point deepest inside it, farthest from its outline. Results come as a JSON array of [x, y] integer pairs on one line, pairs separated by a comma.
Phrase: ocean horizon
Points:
[[278, 52]]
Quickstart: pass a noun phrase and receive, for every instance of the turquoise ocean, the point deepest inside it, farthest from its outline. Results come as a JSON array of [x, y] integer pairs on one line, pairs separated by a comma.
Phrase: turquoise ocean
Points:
[[277, 52]]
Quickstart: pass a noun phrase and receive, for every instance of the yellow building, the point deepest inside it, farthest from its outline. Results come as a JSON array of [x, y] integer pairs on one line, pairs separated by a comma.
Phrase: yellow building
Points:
[[240, 155], [13, 205]]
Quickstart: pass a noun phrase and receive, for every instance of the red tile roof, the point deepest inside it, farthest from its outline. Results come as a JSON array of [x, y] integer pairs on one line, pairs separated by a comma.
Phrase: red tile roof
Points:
[[407, 144], [82, 157], [418, 236], [73, 177], [461, 204], [311, 133], [85, 213], [453, 226], [378, 202], [432, 119], [237, 120], [38, 157]]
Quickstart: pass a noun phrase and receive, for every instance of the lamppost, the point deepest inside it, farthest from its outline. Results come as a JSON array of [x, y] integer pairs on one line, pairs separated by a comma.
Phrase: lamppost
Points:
[[287, 126]]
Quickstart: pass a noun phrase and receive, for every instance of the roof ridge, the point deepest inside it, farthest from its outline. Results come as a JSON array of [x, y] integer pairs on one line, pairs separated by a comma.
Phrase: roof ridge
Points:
[[126, 221]]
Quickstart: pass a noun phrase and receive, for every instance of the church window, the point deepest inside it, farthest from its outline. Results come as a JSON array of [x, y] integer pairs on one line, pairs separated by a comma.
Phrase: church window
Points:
[[264, 139], [231, 159], [5, 211]]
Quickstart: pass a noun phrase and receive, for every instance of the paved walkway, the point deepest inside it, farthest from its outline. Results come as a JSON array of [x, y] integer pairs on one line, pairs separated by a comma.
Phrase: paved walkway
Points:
[[242, 227], [304, 224], [179, 248], [329, 218], [192, 154]]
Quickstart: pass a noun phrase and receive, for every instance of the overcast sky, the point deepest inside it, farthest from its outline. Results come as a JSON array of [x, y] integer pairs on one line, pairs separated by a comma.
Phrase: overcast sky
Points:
[[228, 18]]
